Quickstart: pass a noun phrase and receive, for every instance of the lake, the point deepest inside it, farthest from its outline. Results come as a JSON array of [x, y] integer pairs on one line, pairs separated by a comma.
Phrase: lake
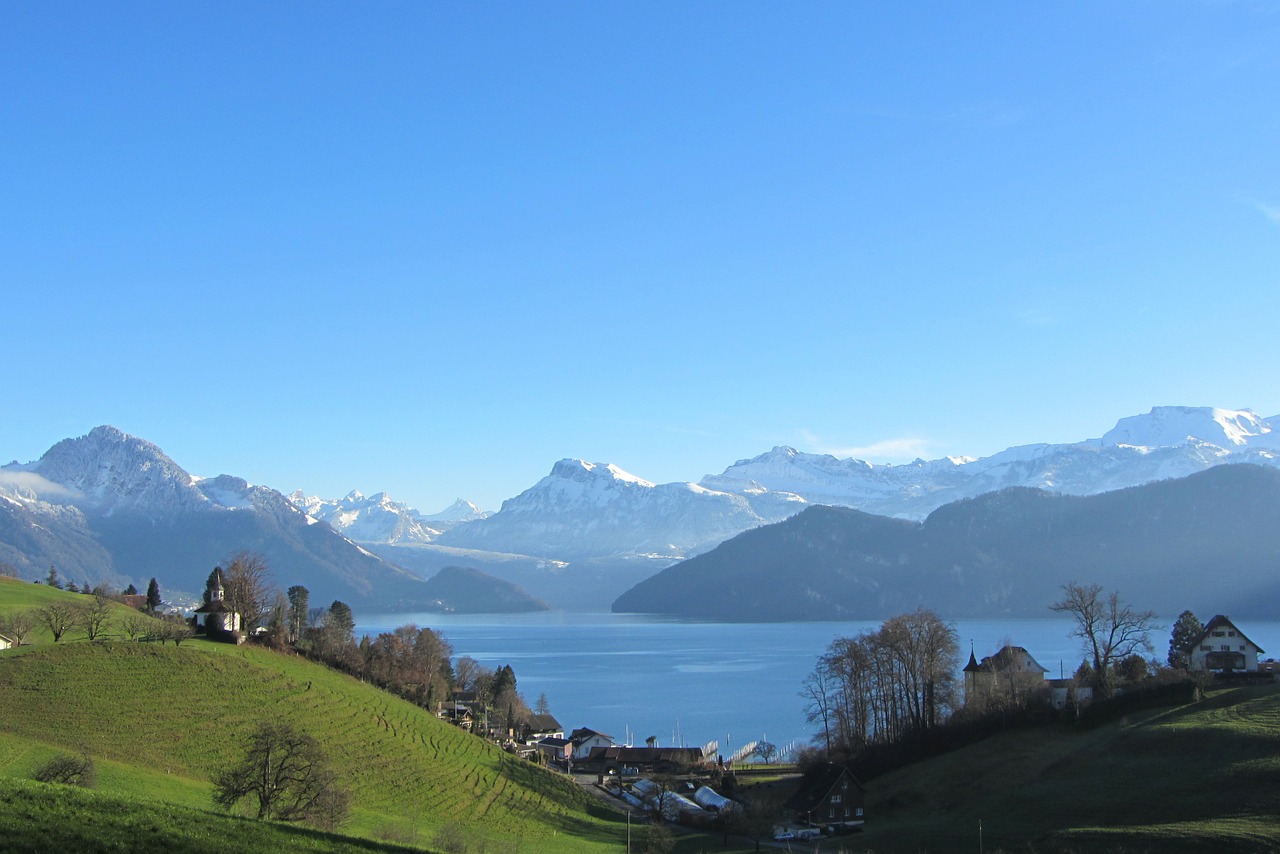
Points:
[[689, 683]]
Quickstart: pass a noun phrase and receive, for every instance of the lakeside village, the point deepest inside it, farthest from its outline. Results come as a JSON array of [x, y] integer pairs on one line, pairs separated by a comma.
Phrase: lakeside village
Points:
[[750, 792]]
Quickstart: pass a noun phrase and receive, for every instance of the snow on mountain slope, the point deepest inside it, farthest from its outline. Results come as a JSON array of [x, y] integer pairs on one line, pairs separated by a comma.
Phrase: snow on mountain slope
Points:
[[595, 509], [373, 519], [456, 513], [1169, 426], [110, 471], [1167, 442]]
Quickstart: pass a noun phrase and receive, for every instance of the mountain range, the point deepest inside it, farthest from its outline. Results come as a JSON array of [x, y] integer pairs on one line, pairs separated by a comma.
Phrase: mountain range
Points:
[[1206, 542], [111, 507]]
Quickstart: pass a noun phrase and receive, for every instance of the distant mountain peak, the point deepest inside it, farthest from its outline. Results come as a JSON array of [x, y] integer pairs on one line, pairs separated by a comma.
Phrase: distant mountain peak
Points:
[[1170, 426], [583, 471]]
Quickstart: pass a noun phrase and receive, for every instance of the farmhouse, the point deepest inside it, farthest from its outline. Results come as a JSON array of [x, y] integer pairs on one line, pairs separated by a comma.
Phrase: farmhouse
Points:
[[7, 642], [585, 740], [662, 760], [829, 796], [1222, 648]]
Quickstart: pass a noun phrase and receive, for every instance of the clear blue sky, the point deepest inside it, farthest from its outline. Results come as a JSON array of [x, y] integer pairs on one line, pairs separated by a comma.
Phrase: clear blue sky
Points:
[[431, 248]]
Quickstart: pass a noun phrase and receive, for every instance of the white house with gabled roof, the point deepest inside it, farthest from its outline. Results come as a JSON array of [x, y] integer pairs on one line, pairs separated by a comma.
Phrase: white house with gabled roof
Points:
[[1223, 648]]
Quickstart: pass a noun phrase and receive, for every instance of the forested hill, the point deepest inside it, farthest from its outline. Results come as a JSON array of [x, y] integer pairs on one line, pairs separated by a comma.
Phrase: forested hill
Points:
[[1209, 542]]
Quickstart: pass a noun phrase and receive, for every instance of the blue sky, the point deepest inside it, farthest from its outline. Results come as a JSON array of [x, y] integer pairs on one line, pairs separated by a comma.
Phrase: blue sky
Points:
[[433, 248]]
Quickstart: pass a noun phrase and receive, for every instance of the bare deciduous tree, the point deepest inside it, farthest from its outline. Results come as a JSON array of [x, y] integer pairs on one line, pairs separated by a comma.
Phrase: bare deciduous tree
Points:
[[95, 616], [1108, 629], [248, 590], [59, 618], [20, 623], [287, 773]]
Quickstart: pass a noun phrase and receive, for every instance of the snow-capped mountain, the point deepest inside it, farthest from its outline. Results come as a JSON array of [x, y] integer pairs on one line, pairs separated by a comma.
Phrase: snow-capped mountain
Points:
[[108, 472], [455, 514], [584, 509], [372, 519], [108, 506], [1167, 442], [380, 519]]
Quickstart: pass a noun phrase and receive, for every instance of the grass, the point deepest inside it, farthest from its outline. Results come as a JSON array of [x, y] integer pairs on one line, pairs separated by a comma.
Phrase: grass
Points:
[[160, 721], [1195, 778], [16, 594], [47, 817]]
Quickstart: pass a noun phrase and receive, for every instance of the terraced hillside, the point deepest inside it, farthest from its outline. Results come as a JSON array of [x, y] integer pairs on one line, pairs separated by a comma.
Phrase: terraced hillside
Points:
[[161, 720]]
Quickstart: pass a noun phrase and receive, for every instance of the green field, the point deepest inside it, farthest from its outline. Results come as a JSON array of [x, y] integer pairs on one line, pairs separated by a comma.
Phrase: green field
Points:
[[1202, 777], [159, 721]]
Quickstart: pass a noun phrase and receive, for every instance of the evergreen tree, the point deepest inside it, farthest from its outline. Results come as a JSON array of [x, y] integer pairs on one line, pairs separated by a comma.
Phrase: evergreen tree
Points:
[[299, 605], [1185, 630], [53, 577], [153, 596], [209, 583], [131, 591]]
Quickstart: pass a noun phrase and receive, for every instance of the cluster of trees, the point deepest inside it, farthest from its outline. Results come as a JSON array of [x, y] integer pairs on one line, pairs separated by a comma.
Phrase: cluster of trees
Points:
[[96, 617], [882, 685], [881, 690]]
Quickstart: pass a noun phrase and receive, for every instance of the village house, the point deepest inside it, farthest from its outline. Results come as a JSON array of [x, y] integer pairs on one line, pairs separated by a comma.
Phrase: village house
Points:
[[1008, 679], [829, 796], [137, 601], [1222, 648], [7, 642], [458, 714], [538, 727], [585, 740], [558, 750]]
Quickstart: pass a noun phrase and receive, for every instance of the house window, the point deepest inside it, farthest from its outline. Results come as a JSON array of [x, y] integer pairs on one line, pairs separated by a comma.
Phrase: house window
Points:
[[846, 812], [1226, 646], [1242, 647], [1231, 634], [1219, 634], [859, 811], [831, 813], [1206, 647]]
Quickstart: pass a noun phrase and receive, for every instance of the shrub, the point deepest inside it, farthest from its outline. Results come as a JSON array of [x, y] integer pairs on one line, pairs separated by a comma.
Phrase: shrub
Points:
[[69, 770]]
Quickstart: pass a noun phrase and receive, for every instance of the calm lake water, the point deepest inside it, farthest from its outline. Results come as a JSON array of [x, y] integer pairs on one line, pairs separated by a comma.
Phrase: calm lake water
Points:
[[689, 683]]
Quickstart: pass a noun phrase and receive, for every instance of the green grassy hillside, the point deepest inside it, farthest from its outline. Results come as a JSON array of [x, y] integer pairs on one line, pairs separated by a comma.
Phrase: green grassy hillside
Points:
[[1198, 778], [36, 817], [160, 721], [16, 594]]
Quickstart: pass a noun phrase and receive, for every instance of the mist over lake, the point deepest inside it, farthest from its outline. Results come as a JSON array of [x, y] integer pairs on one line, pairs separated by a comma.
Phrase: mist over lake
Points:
[[690, 683]]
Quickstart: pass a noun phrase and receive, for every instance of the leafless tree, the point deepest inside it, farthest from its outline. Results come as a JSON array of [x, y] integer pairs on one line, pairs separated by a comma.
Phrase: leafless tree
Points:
[[59, 618], [1109, 629], [95, 615], [20, 623], [247, 588], [137, 625], [286, 772]]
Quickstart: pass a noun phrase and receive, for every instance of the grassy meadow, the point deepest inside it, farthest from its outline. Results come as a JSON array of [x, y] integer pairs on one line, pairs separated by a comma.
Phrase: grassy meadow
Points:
[[1195, 778], [160, 720]]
